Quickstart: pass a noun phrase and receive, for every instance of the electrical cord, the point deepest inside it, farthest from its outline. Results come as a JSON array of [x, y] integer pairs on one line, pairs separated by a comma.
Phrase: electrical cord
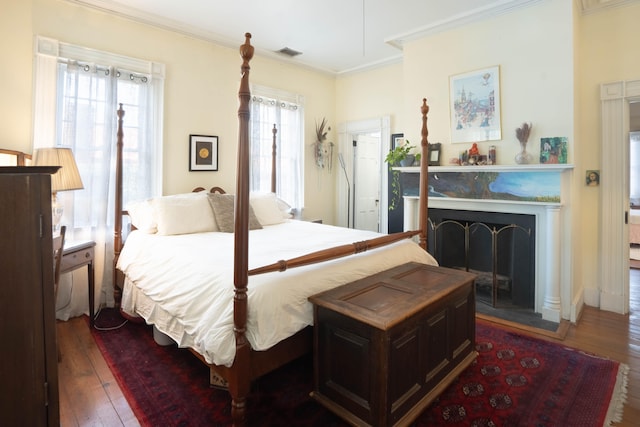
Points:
[[110, 328]]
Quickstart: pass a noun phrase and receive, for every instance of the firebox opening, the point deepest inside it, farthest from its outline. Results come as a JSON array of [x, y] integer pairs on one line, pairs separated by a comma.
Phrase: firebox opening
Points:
[[498, 247]]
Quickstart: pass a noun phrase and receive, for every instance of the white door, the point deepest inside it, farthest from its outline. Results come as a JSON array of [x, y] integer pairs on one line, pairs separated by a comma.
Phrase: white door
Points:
[[367, 179]]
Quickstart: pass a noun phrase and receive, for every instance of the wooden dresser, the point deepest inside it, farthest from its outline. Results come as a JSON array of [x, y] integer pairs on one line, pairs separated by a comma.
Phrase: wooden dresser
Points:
[[29, 358], [387, 345]]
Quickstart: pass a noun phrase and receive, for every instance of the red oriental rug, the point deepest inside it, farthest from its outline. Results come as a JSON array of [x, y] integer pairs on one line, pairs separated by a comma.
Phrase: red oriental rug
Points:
[[516, 381]]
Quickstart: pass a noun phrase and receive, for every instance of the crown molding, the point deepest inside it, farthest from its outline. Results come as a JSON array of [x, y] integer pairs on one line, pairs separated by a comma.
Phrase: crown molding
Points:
[[593, 6], [496, 8], [473, 15]]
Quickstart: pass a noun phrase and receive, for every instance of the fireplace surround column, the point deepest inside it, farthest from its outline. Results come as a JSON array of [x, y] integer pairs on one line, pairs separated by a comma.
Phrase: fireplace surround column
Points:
[[551, 306]]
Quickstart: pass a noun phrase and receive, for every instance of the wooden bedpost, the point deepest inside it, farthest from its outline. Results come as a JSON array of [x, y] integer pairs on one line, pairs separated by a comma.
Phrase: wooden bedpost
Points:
[[274, 152], [117, 227], [424, 178], [240, 377]]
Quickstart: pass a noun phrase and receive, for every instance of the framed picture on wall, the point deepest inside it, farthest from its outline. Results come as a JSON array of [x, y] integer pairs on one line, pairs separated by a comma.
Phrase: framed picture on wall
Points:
[[203, 153], [434, 154], [475, 105], [592, 178], [553, 150], [397, 140]]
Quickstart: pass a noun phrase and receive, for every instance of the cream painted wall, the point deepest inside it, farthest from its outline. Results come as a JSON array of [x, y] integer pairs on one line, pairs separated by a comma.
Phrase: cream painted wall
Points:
[[15, 75], [371, 94], [536, 75], [201, 86], [608, 52]]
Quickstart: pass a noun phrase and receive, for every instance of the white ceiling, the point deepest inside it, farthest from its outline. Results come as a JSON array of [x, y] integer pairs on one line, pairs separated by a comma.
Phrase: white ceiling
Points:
[[334, 36]]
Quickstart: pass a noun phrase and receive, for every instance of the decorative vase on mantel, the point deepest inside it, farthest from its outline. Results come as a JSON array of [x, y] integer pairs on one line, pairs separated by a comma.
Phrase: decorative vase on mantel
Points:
[[523, 157], [522, 133], [408, 160]]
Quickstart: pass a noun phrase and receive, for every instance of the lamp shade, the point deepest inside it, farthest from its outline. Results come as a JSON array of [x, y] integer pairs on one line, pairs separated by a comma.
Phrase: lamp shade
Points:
[[67, 177]]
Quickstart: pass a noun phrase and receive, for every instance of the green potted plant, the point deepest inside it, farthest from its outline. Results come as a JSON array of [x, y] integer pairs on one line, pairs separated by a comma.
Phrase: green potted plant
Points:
[[399, 156], [402, 156]]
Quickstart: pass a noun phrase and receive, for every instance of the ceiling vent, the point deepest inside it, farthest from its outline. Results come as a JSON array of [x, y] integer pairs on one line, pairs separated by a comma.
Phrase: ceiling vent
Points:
[[289, 52]]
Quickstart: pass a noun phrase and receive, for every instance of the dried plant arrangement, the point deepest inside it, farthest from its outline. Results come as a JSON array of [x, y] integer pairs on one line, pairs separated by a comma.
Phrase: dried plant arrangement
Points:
[[522, 133], [323, 151]]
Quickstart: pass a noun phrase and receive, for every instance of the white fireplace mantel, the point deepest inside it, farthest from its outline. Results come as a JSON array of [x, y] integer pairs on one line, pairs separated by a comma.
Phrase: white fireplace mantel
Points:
[[552, 242], [494, 168]]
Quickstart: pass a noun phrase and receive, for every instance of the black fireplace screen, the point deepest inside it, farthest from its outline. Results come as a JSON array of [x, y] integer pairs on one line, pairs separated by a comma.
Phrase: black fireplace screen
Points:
[[498, 247]]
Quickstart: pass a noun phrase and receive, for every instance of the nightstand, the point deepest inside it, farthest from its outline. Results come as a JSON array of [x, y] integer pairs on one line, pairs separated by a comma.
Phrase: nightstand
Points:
[[78, 254]]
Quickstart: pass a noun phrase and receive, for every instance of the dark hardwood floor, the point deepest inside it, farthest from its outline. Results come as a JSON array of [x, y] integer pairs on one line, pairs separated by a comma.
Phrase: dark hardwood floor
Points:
[[90, 396]]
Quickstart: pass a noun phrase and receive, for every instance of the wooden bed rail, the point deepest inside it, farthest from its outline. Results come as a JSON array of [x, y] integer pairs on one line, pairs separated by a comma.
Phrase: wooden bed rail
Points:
[[333, 253]]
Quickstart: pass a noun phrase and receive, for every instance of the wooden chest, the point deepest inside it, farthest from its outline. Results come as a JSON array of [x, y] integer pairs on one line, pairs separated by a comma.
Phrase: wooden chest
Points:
[[387, 345]]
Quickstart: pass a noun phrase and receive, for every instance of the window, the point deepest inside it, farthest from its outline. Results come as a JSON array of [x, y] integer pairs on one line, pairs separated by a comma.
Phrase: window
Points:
[[77, 93], [268, 108]]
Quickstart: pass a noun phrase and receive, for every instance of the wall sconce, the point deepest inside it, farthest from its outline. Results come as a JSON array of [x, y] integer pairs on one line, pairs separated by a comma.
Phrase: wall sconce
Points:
[[67, 178]]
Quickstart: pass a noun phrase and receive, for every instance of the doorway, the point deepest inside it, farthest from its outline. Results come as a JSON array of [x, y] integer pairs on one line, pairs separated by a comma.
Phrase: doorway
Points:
[[617, 99], [367, 182], [360, 203]]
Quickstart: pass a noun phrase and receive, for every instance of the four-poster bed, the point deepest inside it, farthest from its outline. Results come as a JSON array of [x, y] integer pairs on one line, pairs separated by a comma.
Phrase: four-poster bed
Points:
[[245, 348]]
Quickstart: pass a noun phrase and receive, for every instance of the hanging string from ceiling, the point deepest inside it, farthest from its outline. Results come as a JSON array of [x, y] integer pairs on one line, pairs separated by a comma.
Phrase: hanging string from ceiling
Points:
[[363, 28]]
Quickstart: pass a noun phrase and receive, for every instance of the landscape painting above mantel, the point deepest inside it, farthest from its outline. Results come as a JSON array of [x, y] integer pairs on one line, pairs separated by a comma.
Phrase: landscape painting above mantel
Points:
[[525, 186]]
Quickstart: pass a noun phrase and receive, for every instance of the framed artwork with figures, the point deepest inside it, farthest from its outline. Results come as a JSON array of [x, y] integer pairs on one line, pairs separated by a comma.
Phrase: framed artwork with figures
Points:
[[553, 150], [203, 153], [475, 105]]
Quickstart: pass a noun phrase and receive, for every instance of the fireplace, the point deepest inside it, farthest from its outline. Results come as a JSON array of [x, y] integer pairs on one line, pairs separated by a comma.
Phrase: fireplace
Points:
[[534, 193], [498, 247]]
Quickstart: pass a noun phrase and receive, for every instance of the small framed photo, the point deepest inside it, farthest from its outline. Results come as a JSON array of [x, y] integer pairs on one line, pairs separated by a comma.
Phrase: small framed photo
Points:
[[592, 178], [397, 140], [434, 154], [203, 153]]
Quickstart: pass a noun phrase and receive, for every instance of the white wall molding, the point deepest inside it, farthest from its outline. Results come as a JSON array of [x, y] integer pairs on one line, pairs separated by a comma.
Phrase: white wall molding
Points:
[[614, 256]]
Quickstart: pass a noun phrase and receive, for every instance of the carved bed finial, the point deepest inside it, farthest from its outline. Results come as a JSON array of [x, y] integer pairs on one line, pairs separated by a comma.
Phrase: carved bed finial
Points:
[[246, 50]]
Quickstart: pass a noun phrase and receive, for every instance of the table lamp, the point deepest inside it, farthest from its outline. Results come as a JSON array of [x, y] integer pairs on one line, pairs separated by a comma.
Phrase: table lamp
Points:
[[67, 178]]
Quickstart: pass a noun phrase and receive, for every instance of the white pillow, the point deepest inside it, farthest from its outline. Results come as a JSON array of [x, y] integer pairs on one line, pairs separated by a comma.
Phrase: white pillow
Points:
[[184, 214], [285, 208], [142, 216], [266, 208]]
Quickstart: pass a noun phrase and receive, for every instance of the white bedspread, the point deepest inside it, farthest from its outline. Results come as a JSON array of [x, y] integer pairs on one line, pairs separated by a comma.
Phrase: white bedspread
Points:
[[183, 284]]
